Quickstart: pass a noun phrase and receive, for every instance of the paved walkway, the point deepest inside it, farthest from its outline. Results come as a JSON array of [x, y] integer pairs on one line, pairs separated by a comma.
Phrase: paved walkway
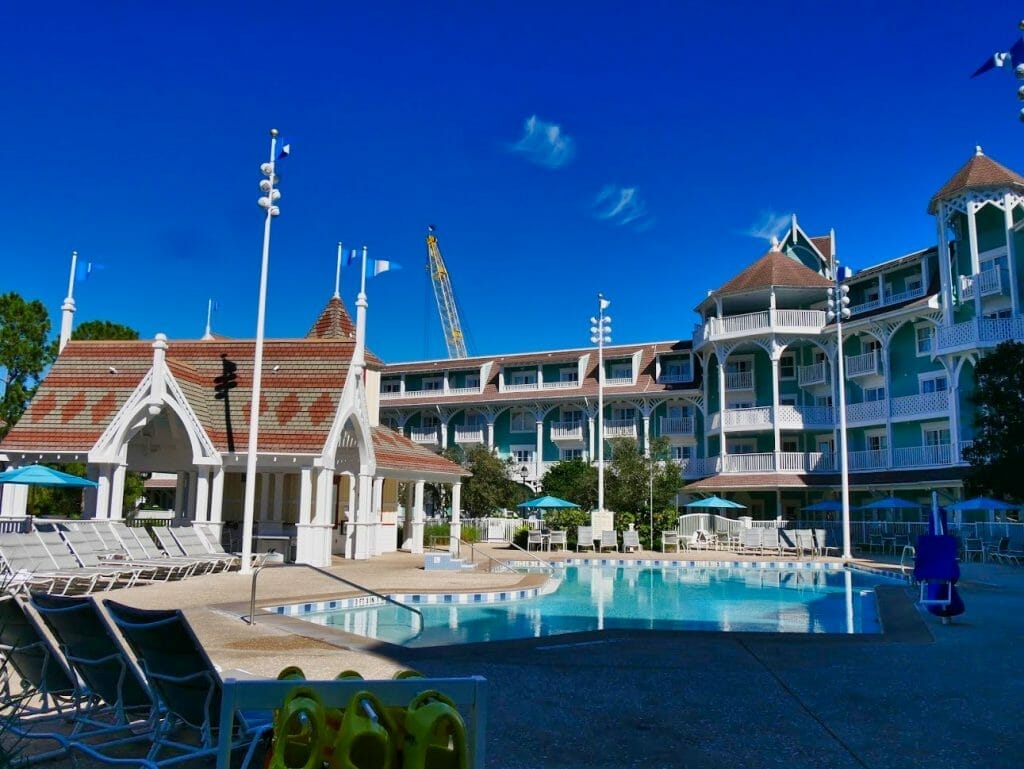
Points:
[[946, 696]]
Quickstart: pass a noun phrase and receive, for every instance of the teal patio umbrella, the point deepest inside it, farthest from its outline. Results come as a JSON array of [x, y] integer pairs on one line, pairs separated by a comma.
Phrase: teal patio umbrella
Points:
[[40, 475], [982, 503], [727, 504], [891, 503], [546, 503], [825, 506]]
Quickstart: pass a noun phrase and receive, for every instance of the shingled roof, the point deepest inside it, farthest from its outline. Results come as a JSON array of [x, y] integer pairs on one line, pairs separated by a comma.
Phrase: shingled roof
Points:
[[774, 269], [334, 322], [396, 452], [980, 172]]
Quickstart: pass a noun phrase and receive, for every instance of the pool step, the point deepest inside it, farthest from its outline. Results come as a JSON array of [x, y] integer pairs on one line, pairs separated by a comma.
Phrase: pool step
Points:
[[445, 562]]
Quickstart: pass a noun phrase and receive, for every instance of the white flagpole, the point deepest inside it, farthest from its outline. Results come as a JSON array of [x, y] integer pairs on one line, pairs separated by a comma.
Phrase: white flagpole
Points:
[[71, 277], [337, 275], [209, 313], [67, 310], [257, 371], [362, 283]]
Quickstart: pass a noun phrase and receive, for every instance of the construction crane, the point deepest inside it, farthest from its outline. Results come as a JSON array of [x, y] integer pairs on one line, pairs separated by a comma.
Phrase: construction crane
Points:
[[445, 298]]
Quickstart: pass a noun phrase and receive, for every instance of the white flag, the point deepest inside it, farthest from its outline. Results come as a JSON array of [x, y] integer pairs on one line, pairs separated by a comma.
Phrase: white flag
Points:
[[605, 303], [381, 266]]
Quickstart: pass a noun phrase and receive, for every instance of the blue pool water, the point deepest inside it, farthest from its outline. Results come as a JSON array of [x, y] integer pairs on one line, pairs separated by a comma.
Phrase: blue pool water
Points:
[[596, 597]]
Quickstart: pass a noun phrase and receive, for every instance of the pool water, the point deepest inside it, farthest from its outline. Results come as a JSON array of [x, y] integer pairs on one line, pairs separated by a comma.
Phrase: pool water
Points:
[[600, 597]]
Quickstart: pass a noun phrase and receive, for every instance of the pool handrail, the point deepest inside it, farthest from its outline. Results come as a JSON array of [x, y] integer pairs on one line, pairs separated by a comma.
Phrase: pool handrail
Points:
[[547, 565], [374, 593], [473, 551]]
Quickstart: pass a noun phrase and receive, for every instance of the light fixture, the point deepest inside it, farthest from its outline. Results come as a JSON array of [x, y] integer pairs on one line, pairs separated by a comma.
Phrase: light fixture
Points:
[[111, 369], [276, 367]]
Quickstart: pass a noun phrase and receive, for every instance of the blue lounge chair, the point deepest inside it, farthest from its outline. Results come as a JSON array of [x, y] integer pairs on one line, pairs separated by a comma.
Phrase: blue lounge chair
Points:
[[44, 684], [937, 571], [184, 681]]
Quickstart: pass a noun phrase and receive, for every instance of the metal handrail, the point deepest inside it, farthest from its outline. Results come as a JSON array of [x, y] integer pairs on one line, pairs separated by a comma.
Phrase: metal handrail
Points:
[[473, 551], [387, 599], [541, 561]]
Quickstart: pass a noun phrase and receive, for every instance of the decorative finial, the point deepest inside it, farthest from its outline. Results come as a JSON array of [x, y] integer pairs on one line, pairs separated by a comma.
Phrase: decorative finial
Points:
[[775, 243], [273, 132], [977, 150]]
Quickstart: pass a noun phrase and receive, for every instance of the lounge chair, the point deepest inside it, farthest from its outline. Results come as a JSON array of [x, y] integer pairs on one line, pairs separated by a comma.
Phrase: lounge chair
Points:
[[609, 539], [67, 560], [535, 537], [630, 540], [185, 682], [91, 551], [669, 539], [770, 541], [140, 549], [750, 540], [177, 544], [557, 539], [973, 548], [788, 541], [192, 542], [821, 542], [584, 537], [31, 567], [45, 683], [805, 542]]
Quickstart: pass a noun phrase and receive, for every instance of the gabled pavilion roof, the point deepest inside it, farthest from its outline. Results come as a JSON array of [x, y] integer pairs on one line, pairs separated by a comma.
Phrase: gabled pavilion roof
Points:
[[334, 322], [774, 269], [980, 172]]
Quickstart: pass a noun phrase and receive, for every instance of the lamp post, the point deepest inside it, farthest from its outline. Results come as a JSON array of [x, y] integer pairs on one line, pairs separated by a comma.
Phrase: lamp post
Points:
[[524, 473], [839, 310], [600, 334], [268, 202]]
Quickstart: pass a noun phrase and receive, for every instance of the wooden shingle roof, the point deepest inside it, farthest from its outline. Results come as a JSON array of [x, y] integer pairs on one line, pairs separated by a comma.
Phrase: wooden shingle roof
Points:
[[980, 172], [774, 269]]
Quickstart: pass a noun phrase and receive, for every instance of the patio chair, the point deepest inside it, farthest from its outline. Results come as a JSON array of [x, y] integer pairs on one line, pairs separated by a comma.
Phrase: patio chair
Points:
[[770, 541], [140, 549], [67, 560], [92, 551], [535, 537], [788, 541], [805, 542], [31, 567], [669, 539], [557, 539], [972, 548], [45, 684], [750, 540], [821, 542], [184, 681], [609, 539], [185, 542], [584, 537], [630, 540]]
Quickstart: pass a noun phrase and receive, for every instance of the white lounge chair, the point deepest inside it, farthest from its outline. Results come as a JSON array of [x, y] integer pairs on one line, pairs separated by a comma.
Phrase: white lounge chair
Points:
[[557, 539], [669, 539], [630, 540], [584, 537], [609, 539]]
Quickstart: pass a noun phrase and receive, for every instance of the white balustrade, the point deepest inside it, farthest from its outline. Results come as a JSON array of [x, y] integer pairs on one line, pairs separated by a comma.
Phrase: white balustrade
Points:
[[450, 392], [807, 321], [424, 435], [572, 384], [677, 425], [922, 403], [816, 373], [619, 428], [739, 380], [888, 299], [469, 434], [521, 387], [876, 459], [567, 431], [748, 463], [979, 332], [868, 411], [675, 378], [813, 320], [758, 416], [921, 456], [797, 417], [619, 380], [862, 365]]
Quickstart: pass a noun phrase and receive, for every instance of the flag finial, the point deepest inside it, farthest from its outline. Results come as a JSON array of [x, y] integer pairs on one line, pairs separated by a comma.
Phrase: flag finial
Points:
[[977, 150]]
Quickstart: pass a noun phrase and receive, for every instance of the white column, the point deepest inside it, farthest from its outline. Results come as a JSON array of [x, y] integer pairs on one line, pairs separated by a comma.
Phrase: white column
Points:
[[490, 434], [116, 510], [103, 492], [953, 374], [456, 525], [538, 456], [647, 434], [305, 495], [444, 434], [776, 355], [410, 494], [378, 515], [180, 490], [190, 506], [590, 438], [721, 404], [202, 494], [14, 501], [359, 531], [350, 511], [418, 520], [945, 275], [277, 512], [1011, 254], [972, 237], [264, 496], [217, 495]]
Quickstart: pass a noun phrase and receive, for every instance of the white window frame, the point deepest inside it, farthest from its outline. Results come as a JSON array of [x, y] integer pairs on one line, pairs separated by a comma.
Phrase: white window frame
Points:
[[430, 421], [524, 417], [432, 383], [918, 327], [393, 386], [791, 357], [565, 455], [787, 399], [867, 390], [523, 377], [932, 376], [680, 452], [790, 443], [620, 370], [876, 435], [522, 454], [472, 380], [568, 375], [913, 283], [748, 446], [936, 427], [827, 438]]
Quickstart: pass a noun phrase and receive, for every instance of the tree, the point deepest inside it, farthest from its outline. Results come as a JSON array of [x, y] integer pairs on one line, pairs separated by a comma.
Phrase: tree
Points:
[[573, 480], [489, 488], [632, 479], [95, 330], [24, 353], [997, 454]]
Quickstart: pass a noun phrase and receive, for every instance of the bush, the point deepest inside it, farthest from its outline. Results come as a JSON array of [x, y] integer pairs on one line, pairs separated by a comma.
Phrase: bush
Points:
[[519, 540], [569, 519]]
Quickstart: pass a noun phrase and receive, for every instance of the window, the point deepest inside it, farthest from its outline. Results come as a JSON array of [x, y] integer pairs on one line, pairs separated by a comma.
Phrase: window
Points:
[[568, 375], [521, 454], [678, 410], [742, 447], [871, 294], [914, 283], [739, 366], [826, 444], [679, 453], [524, 377], [623, 414], [472, 380], [923, 336], [522, 421], [741, 405], [935, 436], [432, 383], [872, 394], [933, 383], [876, 442], [787, 400], [429, 422], [871, 345], [389, 422], [567, 454], [1005, 313], [620, 371], [475, 419], [787, 366], [676, 371], [825, 401], [392, 386], [790, 444]]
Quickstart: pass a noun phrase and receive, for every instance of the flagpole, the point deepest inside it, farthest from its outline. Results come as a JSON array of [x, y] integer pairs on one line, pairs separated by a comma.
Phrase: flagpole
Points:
[[267, 202], [71, 277], [67, 310], [337, 275], [362, 283], [209, 313]]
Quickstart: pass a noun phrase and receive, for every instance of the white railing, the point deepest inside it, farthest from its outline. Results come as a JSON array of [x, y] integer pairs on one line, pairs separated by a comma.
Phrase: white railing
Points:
[[619, 380], [917, 456], [988, 281], [462, 391], [888, 299], [424, 434], [810, 321], [960, 449], [469, 434], [739, 380], [677, 425], [868, 411], [816, 373], [675, 378], [572, 384], [566, 431], [876, 459], [979, 332], [806, 416], [758, 416], [915, 405], [620, 428], [748, 463], [450, 392], [803, 319], [522, 387], [738, 324], [862, 365]]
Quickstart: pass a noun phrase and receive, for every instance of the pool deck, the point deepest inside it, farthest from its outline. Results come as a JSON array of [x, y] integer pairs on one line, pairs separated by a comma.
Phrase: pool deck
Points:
[[922, 695]]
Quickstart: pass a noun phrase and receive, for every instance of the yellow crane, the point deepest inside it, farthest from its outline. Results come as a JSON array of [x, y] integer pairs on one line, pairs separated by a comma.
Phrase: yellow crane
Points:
[[445, 297]]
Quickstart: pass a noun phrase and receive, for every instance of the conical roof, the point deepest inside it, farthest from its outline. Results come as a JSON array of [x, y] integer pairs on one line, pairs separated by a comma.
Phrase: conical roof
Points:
[[774, 269], [980, 172], [334, 322]]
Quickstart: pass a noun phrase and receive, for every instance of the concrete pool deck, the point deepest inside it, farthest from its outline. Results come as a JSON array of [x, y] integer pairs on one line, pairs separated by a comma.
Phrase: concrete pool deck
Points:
[[942, 696]]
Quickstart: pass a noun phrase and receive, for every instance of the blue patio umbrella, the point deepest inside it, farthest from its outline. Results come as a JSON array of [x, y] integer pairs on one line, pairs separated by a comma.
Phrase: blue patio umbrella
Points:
[[713, 501], [982, 503], [891, 503], [546, 503], [40, 475], [825, 506]]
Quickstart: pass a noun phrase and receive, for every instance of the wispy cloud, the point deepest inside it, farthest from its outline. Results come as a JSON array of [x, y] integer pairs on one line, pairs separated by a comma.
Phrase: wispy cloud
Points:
[[544, 143], [770, 225], [622, 206]]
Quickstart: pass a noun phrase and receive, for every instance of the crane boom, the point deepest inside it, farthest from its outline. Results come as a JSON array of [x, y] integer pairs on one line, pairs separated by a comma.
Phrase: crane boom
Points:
[[445, 297]]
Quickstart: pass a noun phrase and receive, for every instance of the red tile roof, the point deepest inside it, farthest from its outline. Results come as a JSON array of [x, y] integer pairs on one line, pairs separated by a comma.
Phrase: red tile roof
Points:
[[334, 322], [396, 452], [824, 244], [774, 269], [979, 172]]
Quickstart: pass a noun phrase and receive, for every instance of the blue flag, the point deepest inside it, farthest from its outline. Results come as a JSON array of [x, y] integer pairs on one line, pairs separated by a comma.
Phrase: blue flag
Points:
[[84, 270], [1012, 58], [352, 255], [284, 149]]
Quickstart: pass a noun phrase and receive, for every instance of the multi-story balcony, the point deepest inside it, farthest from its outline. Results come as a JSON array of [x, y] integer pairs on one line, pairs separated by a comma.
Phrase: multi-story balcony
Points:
[[567, 431], [888, 299], [978, 332], [677, 426], [739, 380], [800, 417], [620, 428], [426, 435], [675, 378], [760, 418], [467, 435], [988, 282], [451, 392], [868, 364], [815, 374], [507, 387], [754, 323]]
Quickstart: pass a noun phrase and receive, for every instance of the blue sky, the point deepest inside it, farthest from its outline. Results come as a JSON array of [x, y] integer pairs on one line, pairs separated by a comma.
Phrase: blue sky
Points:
[[561, 150]]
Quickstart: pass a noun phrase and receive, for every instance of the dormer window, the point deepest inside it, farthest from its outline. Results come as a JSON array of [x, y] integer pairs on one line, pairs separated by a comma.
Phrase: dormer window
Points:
[[433, 383]]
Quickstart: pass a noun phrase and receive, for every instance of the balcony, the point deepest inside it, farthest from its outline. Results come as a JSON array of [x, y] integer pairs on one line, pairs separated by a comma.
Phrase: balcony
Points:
[[468, 435], [451, 392], [620, 428], [815, 374], [800, 417], [425, 435], [677, 426], [668, 379], [520, 387], [867, 412], [739, 380], [567, 431], [911, 406], [989, 282], [977, 333], [887, 300], [755, 418], [868, 364], [754, 323], [618, 380]]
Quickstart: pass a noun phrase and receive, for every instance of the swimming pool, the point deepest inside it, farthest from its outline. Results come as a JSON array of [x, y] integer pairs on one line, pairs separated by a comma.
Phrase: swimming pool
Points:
[[788, 598]]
